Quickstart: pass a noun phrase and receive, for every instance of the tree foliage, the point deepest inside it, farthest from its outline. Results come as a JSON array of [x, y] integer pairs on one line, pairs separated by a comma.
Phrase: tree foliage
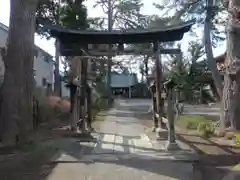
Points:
[[190, 71], [190, 9], [125, 13], [67, 13]]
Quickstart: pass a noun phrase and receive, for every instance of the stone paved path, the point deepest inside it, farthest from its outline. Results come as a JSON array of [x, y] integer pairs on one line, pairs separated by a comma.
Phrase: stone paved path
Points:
[[122, 152]]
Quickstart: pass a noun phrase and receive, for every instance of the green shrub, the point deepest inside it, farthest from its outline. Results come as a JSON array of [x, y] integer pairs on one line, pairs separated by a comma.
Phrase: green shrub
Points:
[[101, 97], [101, 103], [101, 100], [191, 125], [195, 122], [103, 91], [202, 126], [191, 121], [206, 129]]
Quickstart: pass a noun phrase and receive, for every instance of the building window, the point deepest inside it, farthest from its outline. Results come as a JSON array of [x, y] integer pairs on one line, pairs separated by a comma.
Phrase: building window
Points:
[[36, 53], [46, 58], [34, 73], [49, 85], [44, 82]]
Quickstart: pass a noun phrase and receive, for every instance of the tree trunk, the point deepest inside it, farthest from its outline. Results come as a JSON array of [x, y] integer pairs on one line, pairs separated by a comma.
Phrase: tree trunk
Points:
[[74, 73], [110, 27], [159, 86], [57, 79], [236, 104], [201, 94], [16, 105], [154, 110], [74, 107], [102, 68], [142, 75], [227, 102], [233, 58], [208, 48], [83, 86], [89, 107], [211, 61], [170, 115], [108, 74], [146, 68], [227, 97]]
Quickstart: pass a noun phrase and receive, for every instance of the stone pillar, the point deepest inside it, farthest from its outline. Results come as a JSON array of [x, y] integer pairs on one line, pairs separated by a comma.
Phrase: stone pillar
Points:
[[154, 107], [89, 108], [171, 144], [159, 85]]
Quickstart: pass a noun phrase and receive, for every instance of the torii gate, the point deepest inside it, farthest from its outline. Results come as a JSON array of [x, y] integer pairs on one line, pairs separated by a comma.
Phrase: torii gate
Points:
[[73, 41]]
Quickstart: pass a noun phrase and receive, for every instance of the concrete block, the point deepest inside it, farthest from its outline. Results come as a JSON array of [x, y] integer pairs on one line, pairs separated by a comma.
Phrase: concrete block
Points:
[[161, 134]]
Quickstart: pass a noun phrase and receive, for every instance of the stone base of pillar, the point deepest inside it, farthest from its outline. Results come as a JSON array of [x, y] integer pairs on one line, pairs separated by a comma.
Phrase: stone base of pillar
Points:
[[154, 129], [172, 146], [90, 129], [161, 134]]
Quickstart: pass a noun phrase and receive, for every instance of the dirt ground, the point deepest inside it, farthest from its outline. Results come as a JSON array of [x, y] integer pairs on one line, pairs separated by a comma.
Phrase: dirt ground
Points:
[[31, 161], [25, 162], [217, 156]]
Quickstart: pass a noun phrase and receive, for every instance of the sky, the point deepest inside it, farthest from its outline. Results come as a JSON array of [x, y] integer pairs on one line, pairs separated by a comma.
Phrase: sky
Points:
[[48, 45]]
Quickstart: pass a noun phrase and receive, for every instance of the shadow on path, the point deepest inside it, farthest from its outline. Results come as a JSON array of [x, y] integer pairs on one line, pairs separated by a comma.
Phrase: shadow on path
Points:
[[215, 161], [131, 162]]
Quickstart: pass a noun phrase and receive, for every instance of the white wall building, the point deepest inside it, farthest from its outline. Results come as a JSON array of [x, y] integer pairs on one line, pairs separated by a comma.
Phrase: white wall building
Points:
[[43, 62], [65, 92]]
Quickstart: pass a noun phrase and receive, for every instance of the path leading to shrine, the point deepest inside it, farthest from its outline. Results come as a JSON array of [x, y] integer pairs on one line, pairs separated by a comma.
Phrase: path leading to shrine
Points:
[[122, 151], [212, 111]]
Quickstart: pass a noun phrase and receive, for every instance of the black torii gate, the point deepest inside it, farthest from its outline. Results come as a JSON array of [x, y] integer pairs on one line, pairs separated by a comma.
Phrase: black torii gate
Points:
[[73, 41]]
